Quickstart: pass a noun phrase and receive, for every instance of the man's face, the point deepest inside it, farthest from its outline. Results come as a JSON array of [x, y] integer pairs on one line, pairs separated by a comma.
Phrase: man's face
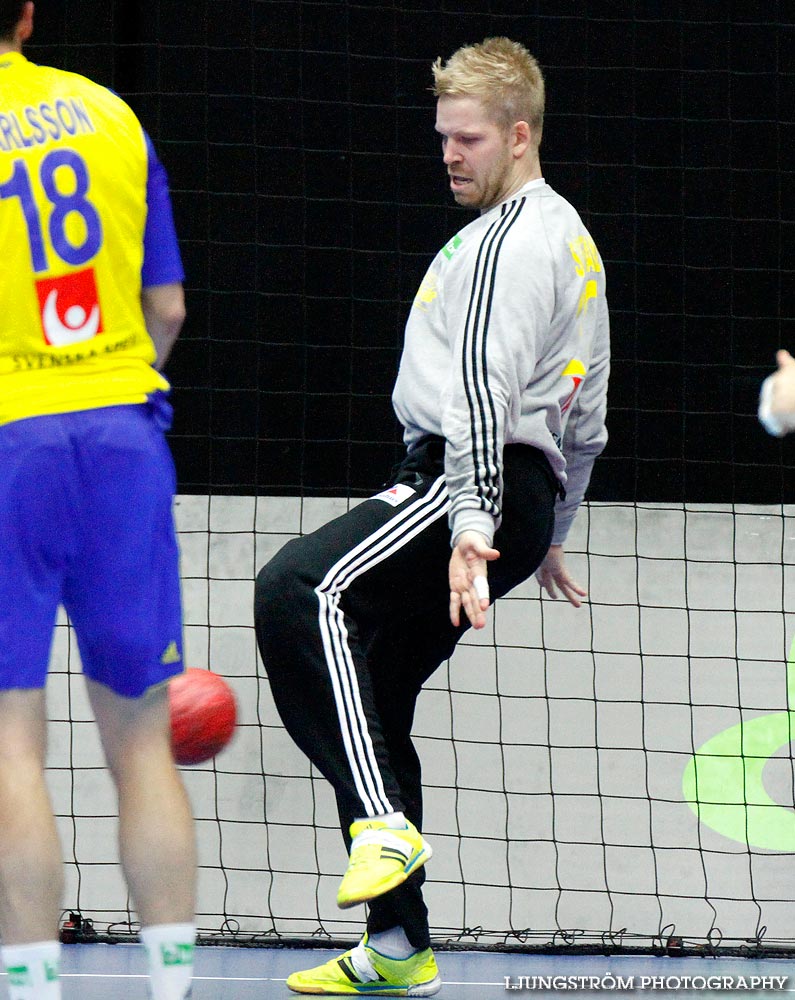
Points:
[[477, 152]]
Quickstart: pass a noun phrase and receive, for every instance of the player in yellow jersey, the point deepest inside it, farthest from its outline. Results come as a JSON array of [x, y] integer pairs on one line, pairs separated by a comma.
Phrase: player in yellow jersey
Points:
[[90, 304]]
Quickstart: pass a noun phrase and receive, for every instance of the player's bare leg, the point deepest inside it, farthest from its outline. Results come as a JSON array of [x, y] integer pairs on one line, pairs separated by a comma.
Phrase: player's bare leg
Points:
[[156, 839], [31, 872]]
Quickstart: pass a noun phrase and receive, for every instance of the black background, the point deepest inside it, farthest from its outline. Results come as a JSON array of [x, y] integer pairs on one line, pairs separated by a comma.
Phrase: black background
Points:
[[310, 198]]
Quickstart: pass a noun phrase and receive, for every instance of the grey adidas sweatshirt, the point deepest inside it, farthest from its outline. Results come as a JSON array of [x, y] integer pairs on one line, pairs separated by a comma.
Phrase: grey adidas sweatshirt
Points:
[[508, 342]]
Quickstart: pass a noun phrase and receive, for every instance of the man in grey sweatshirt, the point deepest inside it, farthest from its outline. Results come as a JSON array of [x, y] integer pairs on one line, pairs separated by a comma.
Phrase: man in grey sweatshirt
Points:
[[502, 394]]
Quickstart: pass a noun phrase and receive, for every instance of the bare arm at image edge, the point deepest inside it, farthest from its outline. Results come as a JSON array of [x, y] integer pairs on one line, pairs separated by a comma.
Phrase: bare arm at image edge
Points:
[[777, 397], [164, 314], [162, 274]]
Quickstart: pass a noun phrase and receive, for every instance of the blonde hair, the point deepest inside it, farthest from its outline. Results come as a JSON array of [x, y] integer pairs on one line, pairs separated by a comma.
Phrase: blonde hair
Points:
[[503, 75]]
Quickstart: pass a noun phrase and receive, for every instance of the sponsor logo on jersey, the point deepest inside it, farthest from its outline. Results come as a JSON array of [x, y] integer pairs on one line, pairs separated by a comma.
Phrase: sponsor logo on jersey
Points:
[[69, 308], [585, 255], [395, 495], [450, 248], [427, 291], [575, 370]]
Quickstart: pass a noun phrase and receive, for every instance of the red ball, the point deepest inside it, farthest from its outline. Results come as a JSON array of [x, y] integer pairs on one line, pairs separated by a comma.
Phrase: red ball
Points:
[[203, 715]]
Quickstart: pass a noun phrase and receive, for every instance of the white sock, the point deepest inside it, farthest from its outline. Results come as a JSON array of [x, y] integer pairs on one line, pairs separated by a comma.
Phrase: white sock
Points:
[[395, 821], [33, 970], [392, 943], [169, 948]]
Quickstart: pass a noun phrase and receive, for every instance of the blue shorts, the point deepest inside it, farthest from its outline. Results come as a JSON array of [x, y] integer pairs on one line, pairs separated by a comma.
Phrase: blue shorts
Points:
[[86, 521]]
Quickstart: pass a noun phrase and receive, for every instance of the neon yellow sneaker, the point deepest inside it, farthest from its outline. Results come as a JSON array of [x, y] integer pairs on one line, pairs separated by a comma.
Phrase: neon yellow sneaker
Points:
[[381, 858], [363, 971]]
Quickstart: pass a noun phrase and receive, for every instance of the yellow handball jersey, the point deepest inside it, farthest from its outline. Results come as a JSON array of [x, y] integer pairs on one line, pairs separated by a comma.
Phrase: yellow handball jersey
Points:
[[74, 165]]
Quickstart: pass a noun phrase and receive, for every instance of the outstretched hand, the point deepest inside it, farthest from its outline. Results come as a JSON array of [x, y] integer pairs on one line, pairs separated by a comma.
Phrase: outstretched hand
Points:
[[553, 576], [783, 401], [469, 585]]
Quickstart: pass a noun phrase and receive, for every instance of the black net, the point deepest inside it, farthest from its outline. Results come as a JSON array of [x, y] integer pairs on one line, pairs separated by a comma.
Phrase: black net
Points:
[[619, 775]]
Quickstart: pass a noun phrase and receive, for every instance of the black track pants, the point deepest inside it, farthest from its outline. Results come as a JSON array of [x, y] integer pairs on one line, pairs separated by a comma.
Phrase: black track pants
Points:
[[352, 619]]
